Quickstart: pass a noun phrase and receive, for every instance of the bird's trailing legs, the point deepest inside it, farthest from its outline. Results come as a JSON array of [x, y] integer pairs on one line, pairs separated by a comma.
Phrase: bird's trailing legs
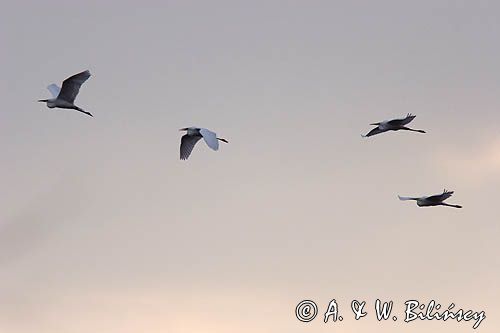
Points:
[[413, 130], [448, 205], [83, 111]]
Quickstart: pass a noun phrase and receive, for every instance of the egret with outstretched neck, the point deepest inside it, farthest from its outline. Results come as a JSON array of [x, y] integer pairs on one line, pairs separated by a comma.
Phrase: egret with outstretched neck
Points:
[[433, 200], [393, 125], [64, 97]]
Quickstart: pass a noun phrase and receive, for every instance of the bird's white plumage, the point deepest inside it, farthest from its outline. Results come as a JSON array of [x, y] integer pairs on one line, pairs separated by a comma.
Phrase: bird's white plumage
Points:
[[193, 135], [406, 198], [433, 200], [210, 138], [384, 125], [54, 90], [64, 97]]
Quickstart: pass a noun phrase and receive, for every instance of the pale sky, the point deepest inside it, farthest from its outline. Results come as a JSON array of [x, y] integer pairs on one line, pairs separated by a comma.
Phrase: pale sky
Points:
[[104, 229]]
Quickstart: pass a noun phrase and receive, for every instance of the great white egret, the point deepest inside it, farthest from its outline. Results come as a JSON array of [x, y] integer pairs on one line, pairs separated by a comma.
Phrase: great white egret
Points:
[[64, 97], [433, 200], [393, 125], [193, 134]]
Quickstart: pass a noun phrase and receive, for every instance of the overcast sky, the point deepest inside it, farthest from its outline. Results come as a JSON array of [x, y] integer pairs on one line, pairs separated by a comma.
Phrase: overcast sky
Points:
[[104, 229]]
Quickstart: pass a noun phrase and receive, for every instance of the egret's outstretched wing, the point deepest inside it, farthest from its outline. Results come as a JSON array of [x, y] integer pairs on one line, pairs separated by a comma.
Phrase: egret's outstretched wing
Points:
[[187, 145], [406, 198], [403, 121], [54, 89], [440, 197], [71, 86], [210, 138], [374, 131]]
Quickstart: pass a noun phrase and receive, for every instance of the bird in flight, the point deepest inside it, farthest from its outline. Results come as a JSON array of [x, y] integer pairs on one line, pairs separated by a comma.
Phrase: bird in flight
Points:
[[393, 125], [64, 97], [433, 200], [193, 134]]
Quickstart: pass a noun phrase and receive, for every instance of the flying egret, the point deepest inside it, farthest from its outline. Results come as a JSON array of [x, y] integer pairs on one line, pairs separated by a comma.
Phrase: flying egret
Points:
[[64, 97], [433, 200], [393, 125], [193, 134]]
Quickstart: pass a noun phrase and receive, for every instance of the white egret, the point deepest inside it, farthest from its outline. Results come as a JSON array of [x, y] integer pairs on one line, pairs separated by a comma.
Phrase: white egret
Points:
[[433, 200], [64, 97], [392, 125], [193, 135]]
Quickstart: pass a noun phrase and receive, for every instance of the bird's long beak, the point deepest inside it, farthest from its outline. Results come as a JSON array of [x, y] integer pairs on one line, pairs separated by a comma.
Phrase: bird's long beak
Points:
[[43, 100], [375, 124], [183, 129]]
